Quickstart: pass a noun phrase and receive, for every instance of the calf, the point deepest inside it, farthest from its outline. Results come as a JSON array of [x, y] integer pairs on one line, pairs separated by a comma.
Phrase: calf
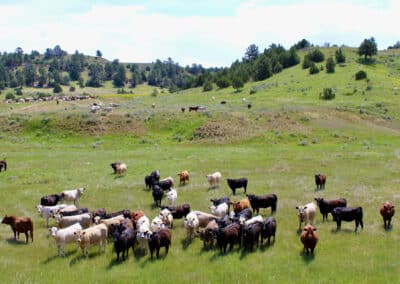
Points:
[[214, 179], [159, 239], [306, 213], [157, 195], [231, 234], [207, 236], [93, 235], [309, 238], [268, 229], [114, 166], [240, 205], [220, 210], [251, 234], [263, 201], [387, 212], [50, 200], [172, 196], [166, 217], [218, 201], [191, 224], [237, 183], [320, 180], [183, 177], [326, 206], [120, 169], [348, 214], [72, 195], [64, 236], [123, 241]]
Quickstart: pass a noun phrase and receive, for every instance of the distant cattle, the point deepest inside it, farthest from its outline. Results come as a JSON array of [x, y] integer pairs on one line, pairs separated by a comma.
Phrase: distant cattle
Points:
[[237, 183], [193, 108], [50, 200], [326, 206], [387, 212], [19, 225], [320, 180], [72, 195], [114, 166], [263, 201], [159, 239], [268, 229], [306, 213], [183, 177], [348, 214], [183, 109], [214, 179], [309, 238], [3, 165], [120, 169]]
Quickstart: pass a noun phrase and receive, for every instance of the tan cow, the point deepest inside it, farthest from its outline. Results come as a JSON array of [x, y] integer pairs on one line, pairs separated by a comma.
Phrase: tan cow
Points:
[[93, 235]]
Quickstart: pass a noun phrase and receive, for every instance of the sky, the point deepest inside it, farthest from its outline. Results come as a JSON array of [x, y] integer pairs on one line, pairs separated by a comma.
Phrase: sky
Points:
[[213, 33]]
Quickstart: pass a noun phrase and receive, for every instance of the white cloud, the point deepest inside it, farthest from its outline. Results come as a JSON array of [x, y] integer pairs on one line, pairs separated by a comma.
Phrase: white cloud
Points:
[[133, 34]]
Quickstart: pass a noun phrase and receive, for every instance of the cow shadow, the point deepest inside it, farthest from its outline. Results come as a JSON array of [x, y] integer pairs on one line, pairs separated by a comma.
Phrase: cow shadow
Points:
[[186, 243], [114, 262], [344, 231], [307, 258], [19, 242], [299, 230], [81, 257], [265, 246], [56, 256], [388, 229]]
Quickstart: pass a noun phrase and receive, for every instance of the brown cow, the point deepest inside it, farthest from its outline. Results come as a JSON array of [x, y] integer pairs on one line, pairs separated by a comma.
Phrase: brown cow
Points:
[[162, 238], [3, 165], [183, 177], [387, 212], [320, 180], [19, 225], [240, 205], [309, 238]]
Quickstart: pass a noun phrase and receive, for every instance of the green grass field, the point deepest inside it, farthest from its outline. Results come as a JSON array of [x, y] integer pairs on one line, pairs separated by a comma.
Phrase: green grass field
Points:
[[279, 144]]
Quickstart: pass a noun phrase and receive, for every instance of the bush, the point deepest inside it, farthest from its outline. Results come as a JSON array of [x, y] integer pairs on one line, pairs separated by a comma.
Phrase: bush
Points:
[[306, 62], [57, 89], [316, 55], [72, 89], [223, 82], [253, 91], [330, 65], [314, 69], [10, 96], [327, 94], [207, 86], [18, 92], [154, 93], [361, 75]]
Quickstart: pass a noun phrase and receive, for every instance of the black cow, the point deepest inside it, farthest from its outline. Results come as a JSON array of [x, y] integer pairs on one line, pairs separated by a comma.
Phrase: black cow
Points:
[[157, 194], [263, 201], [50, 200], [244, 214], [218, 201], [3, 165], [268, 229], [115, 165], [251, 234], [165, 184], [348, 214], [237, 183], [75, 212], [320, 180], [179, 211], [162, 238], [231, 234], [123, 241], [326, 206], [152, 179]]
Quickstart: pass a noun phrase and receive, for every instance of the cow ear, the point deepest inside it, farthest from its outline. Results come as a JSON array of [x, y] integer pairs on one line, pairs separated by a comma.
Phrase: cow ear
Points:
[[393, 207], [305, 207], [314, 229], [83, 233], [297, 207]]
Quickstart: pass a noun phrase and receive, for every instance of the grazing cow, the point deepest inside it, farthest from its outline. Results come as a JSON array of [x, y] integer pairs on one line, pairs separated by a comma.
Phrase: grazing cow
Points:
[[121, 169], [240, 205], [348, 214], [157, 195], [387, 212], [111, 223], [231, 234], [3, 165], [237, 183], [183, 109], [166, 217], [152, 179], [49, 211], [72, 195], [223, 102], [309, 238], [183, 177], [93, 235], [268, 229], [263, 201], [251, 234], [123, 241], [178, 211], [207, 236], [19, 225], [191, 224], [50, 200], [159, 239], [193, 108], [64, 236], [84, 219], [166, 183], [220, 210], [214, 179], [172, 195], [320, 180], [79, 211], [326, 206], [306, 213], [204, 218], [114, 166]]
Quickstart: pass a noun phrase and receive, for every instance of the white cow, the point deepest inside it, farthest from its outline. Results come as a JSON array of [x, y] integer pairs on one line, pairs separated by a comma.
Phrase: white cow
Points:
[[143, 232], [49, 211], [220, 210], [93, 235], [84, 219], [166, 217], [244, 221], [156, 224], [306, 213], [172, 196], [204, 218], [64, 236], [214, 179], [72, 195], [191, 224]]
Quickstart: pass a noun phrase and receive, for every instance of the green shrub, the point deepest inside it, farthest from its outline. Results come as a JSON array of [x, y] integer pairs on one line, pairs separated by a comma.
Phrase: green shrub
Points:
[[207, 86], [314, 69], [361, 75], [57, 89], [154, 93], [10, 96], [327, 94], [18, 92], [72, 89]]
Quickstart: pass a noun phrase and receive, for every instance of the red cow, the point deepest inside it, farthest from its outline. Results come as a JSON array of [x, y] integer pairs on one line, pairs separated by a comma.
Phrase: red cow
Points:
[[309, 238], [387, 212]]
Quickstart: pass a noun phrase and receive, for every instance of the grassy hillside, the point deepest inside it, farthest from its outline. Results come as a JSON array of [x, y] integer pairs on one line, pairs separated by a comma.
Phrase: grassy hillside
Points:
[[287, 136]]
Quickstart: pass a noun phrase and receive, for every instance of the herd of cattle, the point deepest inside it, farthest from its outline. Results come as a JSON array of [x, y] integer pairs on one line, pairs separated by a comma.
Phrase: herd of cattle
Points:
[[222, 225]]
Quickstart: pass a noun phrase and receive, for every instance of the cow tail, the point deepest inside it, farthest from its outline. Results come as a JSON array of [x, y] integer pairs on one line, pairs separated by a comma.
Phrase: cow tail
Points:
[[31, 230], [275, 203], [361, 217]]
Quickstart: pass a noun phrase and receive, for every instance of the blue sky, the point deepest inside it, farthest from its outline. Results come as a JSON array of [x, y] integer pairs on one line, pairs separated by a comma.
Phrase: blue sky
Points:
[[208, 32]]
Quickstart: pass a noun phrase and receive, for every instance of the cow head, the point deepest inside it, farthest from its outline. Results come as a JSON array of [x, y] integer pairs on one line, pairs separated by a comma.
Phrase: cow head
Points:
[[53, 231], [39, 209], [309, 230], [301, 212], [319, 200]]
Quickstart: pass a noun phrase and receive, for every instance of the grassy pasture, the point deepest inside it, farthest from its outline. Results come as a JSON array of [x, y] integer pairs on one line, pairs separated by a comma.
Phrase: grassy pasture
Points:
[[289, 135]]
